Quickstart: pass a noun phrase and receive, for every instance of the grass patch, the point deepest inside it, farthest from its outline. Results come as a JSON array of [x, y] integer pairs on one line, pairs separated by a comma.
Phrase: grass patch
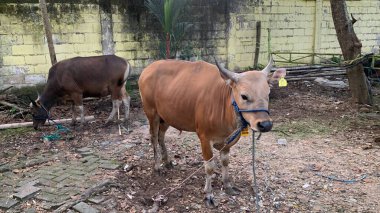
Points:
[[304, 128], [11, 133], [24, 93]]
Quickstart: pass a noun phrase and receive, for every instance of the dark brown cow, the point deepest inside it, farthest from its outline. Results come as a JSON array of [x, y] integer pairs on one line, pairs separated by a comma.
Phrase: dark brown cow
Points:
[[79, 77], [197, 97]]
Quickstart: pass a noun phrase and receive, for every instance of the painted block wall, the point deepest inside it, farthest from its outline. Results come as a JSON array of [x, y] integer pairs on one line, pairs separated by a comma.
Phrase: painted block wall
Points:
[[226, 29]]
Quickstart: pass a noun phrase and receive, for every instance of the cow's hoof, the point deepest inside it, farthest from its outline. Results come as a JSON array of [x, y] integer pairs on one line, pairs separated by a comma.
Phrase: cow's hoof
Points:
[[232, 190], [210, 203], [159, 171], [169, 165]]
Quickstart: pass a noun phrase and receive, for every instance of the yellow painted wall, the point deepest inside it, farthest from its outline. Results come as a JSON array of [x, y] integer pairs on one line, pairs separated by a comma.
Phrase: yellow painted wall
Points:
[[24, 51], [297, 26], [293, 25]]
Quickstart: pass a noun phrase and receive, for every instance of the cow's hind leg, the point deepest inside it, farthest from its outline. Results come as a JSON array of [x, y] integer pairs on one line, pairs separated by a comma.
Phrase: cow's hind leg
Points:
[[115, 106], [126, 101], [154, 122], [209, 169], [228, 187], [78, 101], [161, 140]]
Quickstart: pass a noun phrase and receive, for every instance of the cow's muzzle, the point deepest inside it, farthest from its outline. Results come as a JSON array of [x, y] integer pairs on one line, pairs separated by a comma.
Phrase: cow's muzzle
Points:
[[264, 126]]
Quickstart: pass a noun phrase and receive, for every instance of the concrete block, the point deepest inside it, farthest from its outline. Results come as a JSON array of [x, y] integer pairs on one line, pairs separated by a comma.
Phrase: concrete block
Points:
[[118, 27], [84, 28], [7, 203], [26, 192], [92, 38], [42, 68], [13, 70], [87, 47], [14, 79], [22, 49], [85, 208], [62, 56], [35, 79], [109, 166], [64, 48], [13, 60], [97, 199], [31, 39], [127, 54], [75, 38], [35, 59]]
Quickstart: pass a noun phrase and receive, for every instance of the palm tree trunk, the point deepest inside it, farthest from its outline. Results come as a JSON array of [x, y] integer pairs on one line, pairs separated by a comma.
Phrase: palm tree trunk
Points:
[[167, 45]]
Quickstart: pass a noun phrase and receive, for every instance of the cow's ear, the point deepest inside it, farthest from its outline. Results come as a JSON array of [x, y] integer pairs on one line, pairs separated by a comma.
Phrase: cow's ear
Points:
[[276, 76]]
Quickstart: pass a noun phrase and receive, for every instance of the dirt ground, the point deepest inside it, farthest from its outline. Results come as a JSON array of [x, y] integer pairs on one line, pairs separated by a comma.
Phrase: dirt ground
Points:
[[329, 141]]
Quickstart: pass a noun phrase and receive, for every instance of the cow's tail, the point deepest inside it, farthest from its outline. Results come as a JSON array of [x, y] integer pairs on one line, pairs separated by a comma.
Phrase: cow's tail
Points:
[[127, 73]]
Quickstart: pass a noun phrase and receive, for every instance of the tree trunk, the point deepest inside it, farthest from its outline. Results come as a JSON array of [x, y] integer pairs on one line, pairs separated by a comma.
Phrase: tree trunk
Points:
[[257, 49], [351, 48], [105, 10], [49, 36]]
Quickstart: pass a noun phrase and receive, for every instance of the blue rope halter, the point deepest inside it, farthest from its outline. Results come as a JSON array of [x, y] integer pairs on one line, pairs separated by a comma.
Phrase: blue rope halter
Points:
[[243, 121]]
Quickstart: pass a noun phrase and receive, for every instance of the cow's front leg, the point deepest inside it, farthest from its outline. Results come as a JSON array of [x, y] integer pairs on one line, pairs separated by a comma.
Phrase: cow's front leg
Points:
[[74, 115], [209, 169], [161, 141], [81, 111], [209, 199], [228, 187]]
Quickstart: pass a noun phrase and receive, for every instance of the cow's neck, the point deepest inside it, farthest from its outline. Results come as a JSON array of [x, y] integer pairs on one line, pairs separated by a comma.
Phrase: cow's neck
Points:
[[48, 98], [231, 120]]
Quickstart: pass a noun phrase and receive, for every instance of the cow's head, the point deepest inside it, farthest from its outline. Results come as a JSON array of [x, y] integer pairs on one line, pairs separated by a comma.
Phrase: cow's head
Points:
[[251, 91], [39, 113]]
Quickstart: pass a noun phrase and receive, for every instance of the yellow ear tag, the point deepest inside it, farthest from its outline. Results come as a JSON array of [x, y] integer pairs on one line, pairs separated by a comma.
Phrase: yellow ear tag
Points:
[[282, 82], [244, 132]]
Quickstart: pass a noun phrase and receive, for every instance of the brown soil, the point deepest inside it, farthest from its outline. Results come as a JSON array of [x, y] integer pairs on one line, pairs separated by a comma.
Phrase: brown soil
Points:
[[326, 136]]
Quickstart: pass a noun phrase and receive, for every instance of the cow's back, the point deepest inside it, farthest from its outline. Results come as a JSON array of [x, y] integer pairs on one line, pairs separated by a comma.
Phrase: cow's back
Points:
[[92, 76], [183, 93]]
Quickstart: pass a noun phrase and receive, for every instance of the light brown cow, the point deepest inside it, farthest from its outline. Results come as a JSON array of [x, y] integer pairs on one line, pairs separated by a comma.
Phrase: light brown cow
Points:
[[197, 97]]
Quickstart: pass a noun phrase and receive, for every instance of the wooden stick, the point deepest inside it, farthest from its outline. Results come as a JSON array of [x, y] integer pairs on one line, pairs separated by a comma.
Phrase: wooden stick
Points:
[[2, 91], [118, 119], [11, 105], [60, 121], [48, 32]]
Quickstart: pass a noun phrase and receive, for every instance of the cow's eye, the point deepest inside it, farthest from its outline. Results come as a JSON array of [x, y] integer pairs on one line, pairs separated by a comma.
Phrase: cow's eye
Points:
[[244, 97]]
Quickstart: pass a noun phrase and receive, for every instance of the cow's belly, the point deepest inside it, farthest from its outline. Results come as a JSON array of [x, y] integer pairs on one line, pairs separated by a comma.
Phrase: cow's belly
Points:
[[98, 92], [177, 119]]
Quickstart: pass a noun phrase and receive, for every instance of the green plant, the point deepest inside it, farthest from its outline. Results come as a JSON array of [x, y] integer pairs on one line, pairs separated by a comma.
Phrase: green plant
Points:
[[336, 60], [168, 13]]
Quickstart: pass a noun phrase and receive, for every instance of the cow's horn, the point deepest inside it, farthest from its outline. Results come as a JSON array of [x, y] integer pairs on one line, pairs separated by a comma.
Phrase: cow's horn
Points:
[[33, 102], [225, 72], [268, 68]]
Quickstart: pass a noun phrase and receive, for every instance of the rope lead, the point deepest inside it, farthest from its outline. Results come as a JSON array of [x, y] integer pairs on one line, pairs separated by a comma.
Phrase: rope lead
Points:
[[255, 188]]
